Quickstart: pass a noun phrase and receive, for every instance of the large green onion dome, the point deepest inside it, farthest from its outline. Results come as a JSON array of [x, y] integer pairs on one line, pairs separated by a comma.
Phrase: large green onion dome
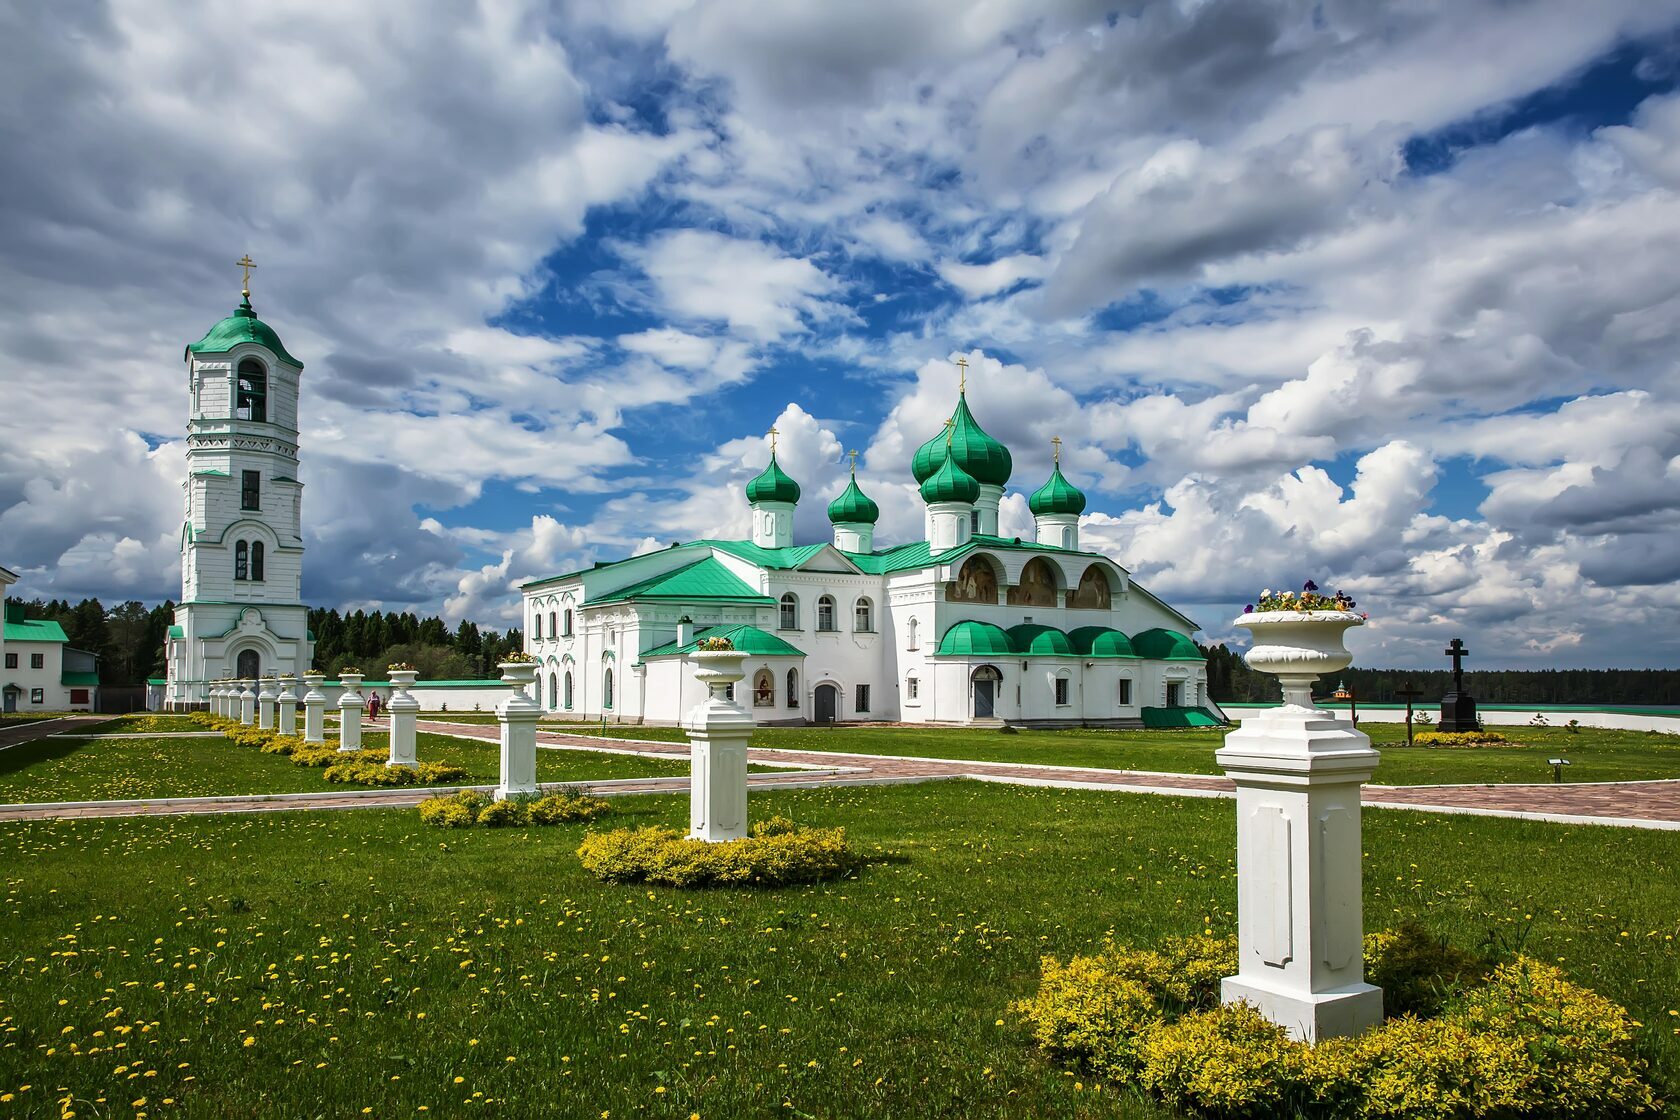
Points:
[[950, 483], [241, 327], [983, 457], [853, 506], [773, 485], [1057, 496]]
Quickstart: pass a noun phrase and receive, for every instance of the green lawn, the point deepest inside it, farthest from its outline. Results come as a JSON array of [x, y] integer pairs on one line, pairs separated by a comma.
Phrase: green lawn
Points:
[[17, 719], [1595, 755], [351, 962], [92, 769], [141, 722]]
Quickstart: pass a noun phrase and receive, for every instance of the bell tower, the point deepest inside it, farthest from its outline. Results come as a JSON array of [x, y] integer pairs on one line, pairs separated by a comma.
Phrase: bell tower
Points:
[[242, 610]]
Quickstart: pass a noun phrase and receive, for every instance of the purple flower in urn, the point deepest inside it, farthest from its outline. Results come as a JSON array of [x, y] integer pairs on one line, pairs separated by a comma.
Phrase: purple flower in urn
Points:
[[1249, 609], [1309, 586]]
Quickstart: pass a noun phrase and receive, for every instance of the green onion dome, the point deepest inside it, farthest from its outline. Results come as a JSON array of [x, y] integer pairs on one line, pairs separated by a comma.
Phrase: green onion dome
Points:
[[979, 454], [853, 506], [950, 483], [241, 327], [1057, 496], [773, 485]]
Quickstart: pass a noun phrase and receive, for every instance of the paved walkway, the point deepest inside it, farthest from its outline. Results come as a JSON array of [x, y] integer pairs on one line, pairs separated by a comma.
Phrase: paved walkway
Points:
[[12, 734]]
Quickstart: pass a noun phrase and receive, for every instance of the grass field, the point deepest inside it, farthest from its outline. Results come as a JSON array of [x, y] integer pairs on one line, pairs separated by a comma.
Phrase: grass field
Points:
[[93, 769], [335, 964], [1595, 755]]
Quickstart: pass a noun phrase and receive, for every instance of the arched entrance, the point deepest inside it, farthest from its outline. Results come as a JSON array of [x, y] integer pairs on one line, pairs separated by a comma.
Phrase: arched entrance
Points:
[[827, 701], [249, 665], [986, 680]]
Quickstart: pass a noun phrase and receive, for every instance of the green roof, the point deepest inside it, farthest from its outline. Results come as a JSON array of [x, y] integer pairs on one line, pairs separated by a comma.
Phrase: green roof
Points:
[[33, 630], [1179, 717], [853, 506], [1101, 641], [969, 638], [177, 632], [773, 485], [775, 558], [1166, 645], [80, 680], [1057, 496], [746, 639], [950, 483], [705, 579], [239, 328], [1035, 640], [981, 456]]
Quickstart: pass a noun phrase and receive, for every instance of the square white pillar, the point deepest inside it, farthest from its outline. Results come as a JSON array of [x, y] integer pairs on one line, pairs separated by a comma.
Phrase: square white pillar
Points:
[[266, 697], [718, 732], [247, 702], [350, 704], [404, 709], [287, 704], [518, 715], [314, 709]]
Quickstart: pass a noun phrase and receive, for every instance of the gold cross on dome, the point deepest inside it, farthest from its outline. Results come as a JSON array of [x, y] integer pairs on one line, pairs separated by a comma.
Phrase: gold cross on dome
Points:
[[1057, 441], [773, 434], [247, 264], [853, 456], [962, 374]]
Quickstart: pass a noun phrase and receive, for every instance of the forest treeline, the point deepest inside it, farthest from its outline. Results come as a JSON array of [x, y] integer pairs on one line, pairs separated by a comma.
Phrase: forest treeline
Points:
[[1230, 680]]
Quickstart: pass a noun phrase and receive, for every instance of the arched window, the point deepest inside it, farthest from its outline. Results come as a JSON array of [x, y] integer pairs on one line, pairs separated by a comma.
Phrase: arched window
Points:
[[568, 692], [792, 688], [568, 630], [249, 664], [606, 691], [553, 693], [552, 630], [252, 401], [241, 560], [910, 633], [863, 620], [912, 687], [536, 627], [789, 612], [825, 613], [256, 560], [764, 689]]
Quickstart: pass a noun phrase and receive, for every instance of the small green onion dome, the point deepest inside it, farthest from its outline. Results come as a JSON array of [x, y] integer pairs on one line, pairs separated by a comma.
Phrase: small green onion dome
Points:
[[241, 327], [853, 506], [950, 483], [773, 485], [979, 454], [1057, 496]]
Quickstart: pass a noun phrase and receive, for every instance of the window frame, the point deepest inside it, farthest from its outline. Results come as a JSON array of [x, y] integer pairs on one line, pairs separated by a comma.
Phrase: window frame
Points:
[[792, 680], [860, 698], [257, 574], [242, 561], [1063, 690], [827, 601], [1125, 687], [37, 661], [566, 696], [787, 611], [568, 620], [250, 490], [607, 689], [11, 660], [553, 619], [912, 687], [254, 400], [37, 696], [863, 615]]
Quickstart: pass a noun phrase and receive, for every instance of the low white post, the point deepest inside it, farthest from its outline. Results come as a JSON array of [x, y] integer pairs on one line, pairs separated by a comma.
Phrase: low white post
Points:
[[223, 691], [215, 698], [314, 708], [718, 731], [247, 702], [266, 696], [350, 705], [404, 710], [287, 723], [518, 715], [1298, 769]]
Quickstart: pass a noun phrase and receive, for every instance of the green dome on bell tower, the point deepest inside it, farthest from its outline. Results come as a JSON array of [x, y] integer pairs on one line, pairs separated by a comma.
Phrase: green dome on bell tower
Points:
[[853, 506], [1057, 496], [773, 485]]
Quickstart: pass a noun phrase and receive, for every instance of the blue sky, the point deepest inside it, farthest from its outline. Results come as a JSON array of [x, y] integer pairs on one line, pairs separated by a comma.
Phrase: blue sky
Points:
[[1379, 296]]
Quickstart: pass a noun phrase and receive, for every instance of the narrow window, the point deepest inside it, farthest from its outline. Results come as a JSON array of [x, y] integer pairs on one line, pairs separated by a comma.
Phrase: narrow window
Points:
[[568, 692], [790, 612], [252, 402], [606, 691], [552, 629], [974, 521], [1061, 691], [864, 620], [256, 560], [37, 661], [1125, 691], [568, 622], [793, 688], [912, 688], [241, 560], [910, 633], [863, 698], [825, 613], [250, 489], [536, 627], [11, 661]]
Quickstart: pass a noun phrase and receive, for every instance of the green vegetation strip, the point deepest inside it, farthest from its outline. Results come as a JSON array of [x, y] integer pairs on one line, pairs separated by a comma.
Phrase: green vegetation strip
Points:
[[322, 964]]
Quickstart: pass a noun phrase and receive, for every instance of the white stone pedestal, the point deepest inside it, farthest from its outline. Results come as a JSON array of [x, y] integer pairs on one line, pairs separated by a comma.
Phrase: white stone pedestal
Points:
[[518, 715], [350, 705], [223, 691], [215, 707], [247, 702], [404, 709], [287, 701], [266, 696], [1298, 771], [718, 732], [314, 708]]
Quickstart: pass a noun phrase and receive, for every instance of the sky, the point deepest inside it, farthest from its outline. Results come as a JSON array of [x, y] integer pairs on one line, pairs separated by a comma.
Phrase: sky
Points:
[[1380, 294]]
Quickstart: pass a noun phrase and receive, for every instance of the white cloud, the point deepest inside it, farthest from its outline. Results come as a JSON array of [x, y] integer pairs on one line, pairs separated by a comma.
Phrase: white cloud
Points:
[[754, 289]]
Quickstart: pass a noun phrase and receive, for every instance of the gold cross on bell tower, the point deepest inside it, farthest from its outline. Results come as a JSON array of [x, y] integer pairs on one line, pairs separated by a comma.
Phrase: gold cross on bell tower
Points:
[[247, 264], [962, 374], [773, 434], [1056, 442]]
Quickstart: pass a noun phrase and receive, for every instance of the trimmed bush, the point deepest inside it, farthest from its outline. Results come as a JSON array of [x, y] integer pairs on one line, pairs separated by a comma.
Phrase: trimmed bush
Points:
[[785, 855], [1462, 739], [458, 810], [1520, 1041], [568, 806], [468, 808], [374, 772]]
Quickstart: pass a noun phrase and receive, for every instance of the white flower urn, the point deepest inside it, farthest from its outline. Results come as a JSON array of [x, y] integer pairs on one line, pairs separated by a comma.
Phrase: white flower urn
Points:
[[518, 715], [350, 706], [718, 732], [1298, 647], [314, 708], [286, 705], [404, 710]]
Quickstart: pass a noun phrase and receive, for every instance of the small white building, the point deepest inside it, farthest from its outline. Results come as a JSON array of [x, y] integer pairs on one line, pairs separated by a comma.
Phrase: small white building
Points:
[[41, 671], [961, 627]]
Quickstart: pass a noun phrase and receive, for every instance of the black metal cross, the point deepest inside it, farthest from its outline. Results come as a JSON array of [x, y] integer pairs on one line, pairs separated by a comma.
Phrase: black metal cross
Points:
[[1458, 653]]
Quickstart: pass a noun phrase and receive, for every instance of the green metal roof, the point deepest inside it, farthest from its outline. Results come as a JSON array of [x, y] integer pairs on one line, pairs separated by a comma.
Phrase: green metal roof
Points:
[[853, 506], [969, 638], [239, 328], [775, 558], [1166, 645], [177, 632], [746, 639], [950, 483], [1057, 496], [773, 485], [977, 453], [705, 579], [80, 680], [1032, 639], [33, 630], [1101, 641], [1179, 717]]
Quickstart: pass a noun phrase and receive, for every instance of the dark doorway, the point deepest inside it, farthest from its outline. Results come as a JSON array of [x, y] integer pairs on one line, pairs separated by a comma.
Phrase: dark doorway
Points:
[[250, 665], [986, 680], [827, 701]]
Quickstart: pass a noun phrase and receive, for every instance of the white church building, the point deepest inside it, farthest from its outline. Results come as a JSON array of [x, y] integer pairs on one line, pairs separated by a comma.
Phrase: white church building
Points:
[[241, 611], [961, 627]]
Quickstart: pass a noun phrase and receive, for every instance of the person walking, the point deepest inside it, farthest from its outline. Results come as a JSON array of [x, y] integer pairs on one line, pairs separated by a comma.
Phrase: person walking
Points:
[[373, 706]]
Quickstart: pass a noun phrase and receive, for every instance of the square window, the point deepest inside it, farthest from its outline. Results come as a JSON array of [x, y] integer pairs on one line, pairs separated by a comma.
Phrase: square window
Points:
[[11, 661], [37, 696], [863, 698], [37, 661], [250, 489], [912, 688]]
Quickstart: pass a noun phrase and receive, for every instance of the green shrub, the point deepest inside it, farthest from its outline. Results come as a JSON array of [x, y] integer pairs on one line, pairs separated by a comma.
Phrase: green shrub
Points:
[[458, 810], [567, 806], [1418, 970], [1228, 1060], [374, 772], [663, 855], [1462, 739], [468, 807]]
